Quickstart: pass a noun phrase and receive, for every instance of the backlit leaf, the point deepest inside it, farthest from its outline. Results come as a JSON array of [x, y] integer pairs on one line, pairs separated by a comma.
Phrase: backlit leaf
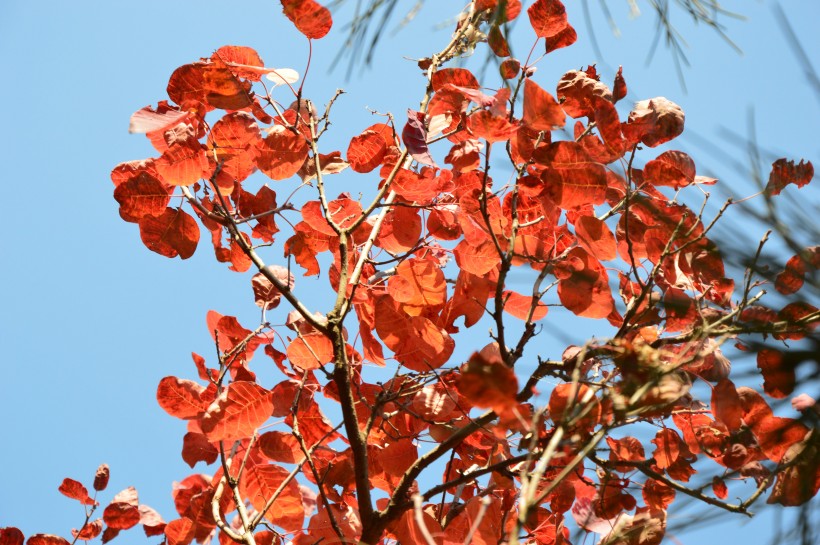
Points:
[[541, 111], [488, 383], [76, 491], [260, 481], [520, 306], [173, 233], [311, 18], [282, 153], [549, 20], [241, 408], [181, 398]]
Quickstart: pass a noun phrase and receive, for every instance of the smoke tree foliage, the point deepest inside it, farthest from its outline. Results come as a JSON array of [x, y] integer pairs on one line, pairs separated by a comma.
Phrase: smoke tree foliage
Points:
[[373, 432]]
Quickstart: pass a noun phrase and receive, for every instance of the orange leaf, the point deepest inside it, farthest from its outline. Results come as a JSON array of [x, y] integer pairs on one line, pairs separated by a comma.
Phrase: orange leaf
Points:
[[549, 20], [76, 491], [180, 531], [596, 238], [282, 153], [418, 285], [183, 163], [670, 168], [488, 383], [197, 448], [234, 140], [572, 178], [260, 481], [492, 128], [668, 447], [719, 488], [520, 305], [241, 408], [654, 122], [173, 233], [367, 150], [726, 405], [143, 195], [311, 18], [280, 447], [310, 351], [182, 398], [43, 539], [541, 111], [416, 342], [89, 531]]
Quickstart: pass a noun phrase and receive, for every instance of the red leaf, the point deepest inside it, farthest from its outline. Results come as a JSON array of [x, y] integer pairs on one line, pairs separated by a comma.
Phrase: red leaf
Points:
[[76, 491], [311, 18], [173, 233], [619, 87], [668, 447], [180, 531], [671, 168], [281, 447], [585, 291], [416, 341], [726, 404], [89, 531], [101, 477], [541, 111], [800, 481], [657, 495], [282, 153], [488, 383], [46, 539], [497, 42], [560, 403], [236, 414], [143, 195], [509, 68], [418, 286], [577, 92], [786, 172], [11, 536], [492, 128], [596, 238], [520, 305], [197, 448], [310, 351], [549, 20], [183, 163], [478, 260], [654, 122], [778, 373], [460, 77], [367, 150], [181, 398], [572, 178], [121, 515], [234, 141], [260, 481], [791, 279], [719, 488]]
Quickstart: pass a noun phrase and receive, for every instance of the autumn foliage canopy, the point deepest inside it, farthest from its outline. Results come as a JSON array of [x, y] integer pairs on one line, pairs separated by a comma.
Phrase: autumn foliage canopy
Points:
[[375, 432]]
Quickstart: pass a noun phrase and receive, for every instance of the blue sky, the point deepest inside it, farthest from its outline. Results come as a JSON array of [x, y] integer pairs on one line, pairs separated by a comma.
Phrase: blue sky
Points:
[[90, 320]]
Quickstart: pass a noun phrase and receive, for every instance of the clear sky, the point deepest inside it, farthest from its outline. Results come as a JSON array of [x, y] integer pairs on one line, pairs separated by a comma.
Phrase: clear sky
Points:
[[90, 320]]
